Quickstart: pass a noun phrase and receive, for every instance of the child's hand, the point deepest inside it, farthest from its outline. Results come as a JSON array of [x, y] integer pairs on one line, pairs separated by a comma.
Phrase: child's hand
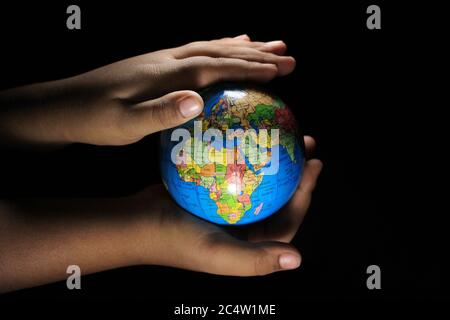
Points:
[[187, 242], [41, 237], [122, 102]]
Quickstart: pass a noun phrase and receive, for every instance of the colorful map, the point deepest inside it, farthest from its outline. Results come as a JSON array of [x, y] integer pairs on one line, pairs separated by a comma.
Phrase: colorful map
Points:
[[229, 182]]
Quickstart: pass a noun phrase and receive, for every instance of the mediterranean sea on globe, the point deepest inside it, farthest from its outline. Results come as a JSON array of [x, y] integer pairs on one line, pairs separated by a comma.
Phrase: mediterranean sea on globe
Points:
[[239, 161]]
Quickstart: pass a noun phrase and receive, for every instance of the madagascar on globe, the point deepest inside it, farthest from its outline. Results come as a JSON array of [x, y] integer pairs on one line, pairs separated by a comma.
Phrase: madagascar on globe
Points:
[[239, 161]]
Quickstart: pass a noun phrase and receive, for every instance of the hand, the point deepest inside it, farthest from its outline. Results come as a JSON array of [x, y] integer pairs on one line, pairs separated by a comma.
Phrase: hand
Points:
[[122, 102], [187, 242], [41, 237]]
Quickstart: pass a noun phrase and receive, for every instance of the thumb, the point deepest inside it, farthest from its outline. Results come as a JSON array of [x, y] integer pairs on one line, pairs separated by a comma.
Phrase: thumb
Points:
[[230, 256], [166, 112]]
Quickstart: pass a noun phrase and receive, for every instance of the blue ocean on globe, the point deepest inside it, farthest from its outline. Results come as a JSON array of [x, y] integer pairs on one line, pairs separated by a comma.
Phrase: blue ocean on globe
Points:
[[247, 175]]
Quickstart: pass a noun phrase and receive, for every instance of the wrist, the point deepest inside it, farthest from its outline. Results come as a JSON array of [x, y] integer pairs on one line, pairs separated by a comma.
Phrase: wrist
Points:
[[36, 114], [150, 233]]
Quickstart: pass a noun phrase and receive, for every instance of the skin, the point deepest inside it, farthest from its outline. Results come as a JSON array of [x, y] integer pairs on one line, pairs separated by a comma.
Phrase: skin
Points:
[[120, 104]]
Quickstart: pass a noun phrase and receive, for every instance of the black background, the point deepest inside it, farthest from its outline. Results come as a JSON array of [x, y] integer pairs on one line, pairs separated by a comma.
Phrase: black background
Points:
[[366, 96]]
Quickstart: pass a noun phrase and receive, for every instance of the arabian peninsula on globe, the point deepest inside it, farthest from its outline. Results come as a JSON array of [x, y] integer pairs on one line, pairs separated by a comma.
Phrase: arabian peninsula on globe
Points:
[[239, 161]]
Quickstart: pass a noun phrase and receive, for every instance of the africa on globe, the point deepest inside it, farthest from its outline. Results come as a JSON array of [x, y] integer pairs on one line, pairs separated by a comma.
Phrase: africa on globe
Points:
[[239, 161]]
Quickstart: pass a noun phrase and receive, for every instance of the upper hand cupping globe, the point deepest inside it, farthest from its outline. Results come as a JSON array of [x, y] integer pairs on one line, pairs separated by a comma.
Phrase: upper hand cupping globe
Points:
[[238, 162]]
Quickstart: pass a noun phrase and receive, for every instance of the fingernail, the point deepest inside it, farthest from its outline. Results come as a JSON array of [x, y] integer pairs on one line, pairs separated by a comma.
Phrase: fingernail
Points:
[[190, 107], [274, 43], [289, 261]]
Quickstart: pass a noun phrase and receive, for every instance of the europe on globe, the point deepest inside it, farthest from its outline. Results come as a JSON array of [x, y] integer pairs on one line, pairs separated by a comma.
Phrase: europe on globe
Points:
[[239, 161]]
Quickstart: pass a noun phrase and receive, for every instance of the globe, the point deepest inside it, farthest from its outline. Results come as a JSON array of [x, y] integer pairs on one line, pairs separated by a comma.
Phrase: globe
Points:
[[239, 161]]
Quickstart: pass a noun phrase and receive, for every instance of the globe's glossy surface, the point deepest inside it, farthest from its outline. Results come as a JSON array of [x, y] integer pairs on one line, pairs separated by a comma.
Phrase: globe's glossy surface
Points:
[[238, 183]]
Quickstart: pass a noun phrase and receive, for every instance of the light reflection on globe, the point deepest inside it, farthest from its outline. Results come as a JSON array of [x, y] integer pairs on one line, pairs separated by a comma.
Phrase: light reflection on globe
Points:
[[242, 188]]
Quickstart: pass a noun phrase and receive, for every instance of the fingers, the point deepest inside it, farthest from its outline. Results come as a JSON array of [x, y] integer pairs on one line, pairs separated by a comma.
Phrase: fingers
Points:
[[199, 64], [166, 112], [203, 71], [285, 65], [296, 209], [195, 48], [311, 173], [277, 47], [284, 225], [225, 255], [310, 146], [242, 37], [198, 72]]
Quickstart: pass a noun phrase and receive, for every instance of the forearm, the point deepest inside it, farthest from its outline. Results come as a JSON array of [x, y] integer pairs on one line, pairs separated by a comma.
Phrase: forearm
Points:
[[39, 239], [41, 113]]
